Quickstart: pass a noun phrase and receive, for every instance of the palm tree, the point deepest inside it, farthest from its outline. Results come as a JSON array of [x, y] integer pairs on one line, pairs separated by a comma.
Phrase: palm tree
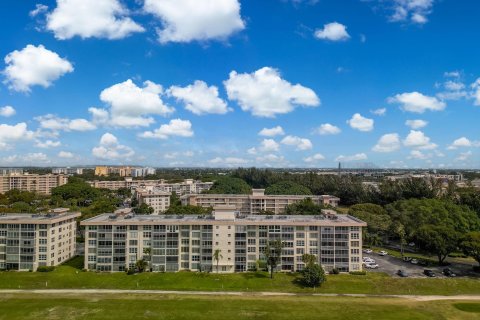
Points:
[[217, 255]]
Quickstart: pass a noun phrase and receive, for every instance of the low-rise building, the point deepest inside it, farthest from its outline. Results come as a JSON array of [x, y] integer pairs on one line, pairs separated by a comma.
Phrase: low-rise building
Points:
[[174, 243], [157, 199], [40, 183], [28, 241], [256, 203]]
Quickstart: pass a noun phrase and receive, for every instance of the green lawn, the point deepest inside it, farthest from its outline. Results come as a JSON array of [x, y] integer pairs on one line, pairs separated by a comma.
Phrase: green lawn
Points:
[[114, 306], [70, 276]]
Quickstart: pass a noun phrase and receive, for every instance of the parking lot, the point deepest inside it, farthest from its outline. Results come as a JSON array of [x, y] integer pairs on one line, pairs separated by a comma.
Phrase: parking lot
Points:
[[391, 265]]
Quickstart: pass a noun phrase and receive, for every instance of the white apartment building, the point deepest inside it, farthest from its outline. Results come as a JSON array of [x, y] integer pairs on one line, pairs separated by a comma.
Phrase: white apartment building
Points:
[[254, 203], [174, 243], [67, 170], [40, 183], [28, 241], [157, 199]]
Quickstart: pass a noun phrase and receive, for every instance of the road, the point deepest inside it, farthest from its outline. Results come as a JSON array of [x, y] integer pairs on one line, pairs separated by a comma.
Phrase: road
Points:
[[86, 292]]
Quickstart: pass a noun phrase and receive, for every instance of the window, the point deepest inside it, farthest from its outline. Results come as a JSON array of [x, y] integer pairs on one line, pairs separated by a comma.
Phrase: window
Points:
[[355, 236], [355, 244], [355, 251], [300, 243]]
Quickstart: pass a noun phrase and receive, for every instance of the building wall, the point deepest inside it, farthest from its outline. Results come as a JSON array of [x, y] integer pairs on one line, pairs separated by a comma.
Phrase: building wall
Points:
[[160, 202], [116, 246], [26, 243], [32, 182]]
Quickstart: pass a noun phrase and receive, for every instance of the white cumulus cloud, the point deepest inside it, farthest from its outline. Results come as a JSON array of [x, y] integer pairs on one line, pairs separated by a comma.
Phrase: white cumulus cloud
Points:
[[388, 143], [380, 112], [65, 154], [13, 133], [299, 143], [355, 157], [199, 98], [190, 20], [333, 31], [54, 123], [110, 149], [34, 65], [315, 158], [265, 94], [416, 124], [463, 142], [228, 161], [7, 111], [417, 102], [47, 144], [418, 140], [361, 123], [176, 127], [91, 18], [327, 129], [269, 145], [272, 132]]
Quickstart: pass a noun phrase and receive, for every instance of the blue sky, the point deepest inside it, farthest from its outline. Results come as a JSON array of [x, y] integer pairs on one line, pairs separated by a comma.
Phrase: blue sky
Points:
[[393, 83]]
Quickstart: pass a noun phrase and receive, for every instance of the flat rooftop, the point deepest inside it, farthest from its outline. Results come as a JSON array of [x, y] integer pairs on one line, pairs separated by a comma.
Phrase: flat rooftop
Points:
[[35, 218], [339, 219]]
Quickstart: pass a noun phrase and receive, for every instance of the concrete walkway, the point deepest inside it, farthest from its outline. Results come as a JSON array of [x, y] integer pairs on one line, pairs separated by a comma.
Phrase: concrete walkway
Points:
[[86, 292]]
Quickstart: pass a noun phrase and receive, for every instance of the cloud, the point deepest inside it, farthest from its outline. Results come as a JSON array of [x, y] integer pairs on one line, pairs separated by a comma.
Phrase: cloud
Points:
[[187, 20], [417, 154], [29, 159], [355, 157], [388, 143], [39, 9], [464, 156], [54, 123], [65, 155], [268, 159], [299, 143], [47, 144], [110, 149], [418, 140], [327, 129], [228, 161], [361, 123], [130, 104], [272, 132], [265, 94], [417, 102], [91, 19], [33, 66], [33, 158], [452, 74], [416, 124], [463, 142], [7, 111], [14, 133], [453, 90], [176, 127], [269, 145], [315, 158], [199, 98], [379, 112], [415, 11], [333, 31], [476, 92]]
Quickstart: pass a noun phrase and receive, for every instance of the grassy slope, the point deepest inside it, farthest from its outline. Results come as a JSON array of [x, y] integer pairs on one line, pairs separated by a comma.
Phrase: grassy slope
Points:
[[69, 276], [23, 306]]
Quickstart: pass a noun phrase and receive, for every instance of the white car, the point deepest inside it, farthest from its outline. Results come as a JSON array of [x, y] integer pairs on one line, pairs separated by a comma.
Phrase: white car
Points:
[[371, 265], [414, 261], [383, 253], [368, 261], [367, 251]]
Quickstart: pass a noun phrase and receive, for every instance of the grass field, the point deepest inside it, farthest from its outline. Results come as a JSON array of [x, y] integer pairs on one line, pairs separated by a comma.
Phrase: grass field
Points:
[[70, 276], [110, 306]]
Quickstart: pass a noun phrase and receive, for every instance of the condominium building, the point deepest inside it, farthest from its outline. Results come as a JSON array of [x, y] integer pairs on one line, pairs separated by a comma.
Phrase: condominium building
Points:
[[28, 241], [6, 171], [123, 171], [188, 186], [40, 183], [157, 199], [67, 170], [255, 203], [173, 243]]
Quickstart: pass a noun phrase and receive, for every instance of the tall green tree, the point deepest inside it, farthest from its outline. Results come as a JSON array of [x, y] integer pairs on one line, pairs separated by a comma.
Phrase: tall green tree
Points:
[[230, 185], [287, 187], [470, 245], [440, 240], [217, 256], [273, 255]]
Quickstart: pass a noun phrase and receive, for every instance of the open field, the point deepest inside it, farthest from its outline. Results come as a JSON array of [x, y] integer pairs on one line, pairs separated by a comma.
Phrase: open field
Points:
[[145, 306], [70, 276]]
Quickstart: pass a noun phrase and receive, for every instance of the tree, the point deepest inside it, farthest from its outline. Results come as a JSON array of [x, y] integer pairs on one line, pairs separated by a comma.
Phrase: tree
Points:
[[313, 274], [141, 265], [399, 230], [143, 209], [309, 259], [217, 256], [148, 256], [440, 240], [377, 219], [470, 245], [287, 187], [273, 255], [304, 207], [230, 185]]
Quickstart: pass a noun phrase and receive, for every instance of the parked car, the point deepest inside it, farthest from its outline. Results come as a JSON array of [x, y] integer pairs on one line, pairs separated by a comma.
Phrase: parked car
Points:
[[414, 261], [371, 265], [383, 253], [367, 251], [407, 259], [429, 273], [402, 273], [368, 261], [411, 244], [448, 272]]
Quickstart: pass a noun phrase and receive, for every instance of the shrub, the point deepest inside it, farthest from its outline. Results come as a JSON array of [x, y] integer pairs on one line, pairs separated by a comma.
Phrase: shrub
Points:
[[334, 271], [358, 273], [45, 268], [130, 271], [313, 275]]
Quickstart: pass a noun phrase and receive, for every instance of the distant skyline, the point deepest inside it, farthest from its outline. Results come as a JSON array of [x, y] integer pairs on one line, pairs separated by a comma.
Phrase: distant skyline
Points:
[[229, 83]]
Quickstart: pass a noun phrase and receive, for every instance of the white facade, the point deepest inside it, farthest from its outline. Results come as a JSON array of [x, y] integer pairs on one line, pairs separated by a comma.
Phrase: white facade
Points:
[[158, 200]]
